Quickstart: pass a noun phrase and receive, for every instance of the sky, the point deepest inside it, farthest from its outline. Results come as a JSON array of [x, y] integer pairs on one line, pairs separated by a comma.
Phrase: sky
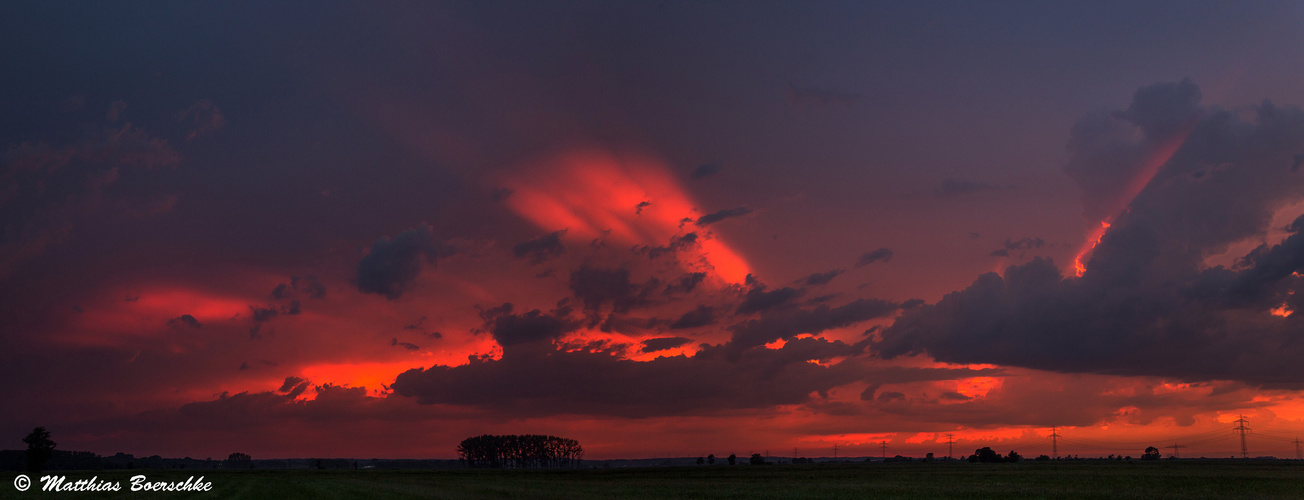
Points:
[[344, 229]]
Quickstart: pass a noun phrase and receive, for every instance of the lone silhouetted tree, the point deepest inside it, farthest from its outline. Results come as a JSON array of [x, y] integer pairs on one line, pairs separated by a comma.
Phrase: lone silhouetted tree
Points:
[[701, 460], [733, 459], [39, 449], [1151, 453], [239, 461], [986, 455], [710, 459], [756, 459]]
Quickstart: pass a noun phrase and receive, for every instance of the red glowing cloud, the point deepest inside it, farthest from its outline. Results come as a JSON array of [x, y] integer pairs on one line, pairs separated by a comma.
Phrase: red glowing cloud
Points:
[[630, 199]]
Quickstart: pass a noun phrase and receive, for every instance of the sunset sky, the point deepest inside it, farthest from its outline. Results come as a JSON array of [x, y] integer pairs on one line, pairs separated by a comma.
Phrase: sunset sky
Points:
[[373, 229]]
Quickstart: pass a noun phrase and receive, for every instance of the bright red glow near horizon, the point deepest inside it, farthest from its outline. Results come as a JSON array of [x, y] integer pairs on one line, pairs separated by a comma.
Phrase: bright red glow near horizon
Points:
[[977, 387], [631, 199], [371, 375]]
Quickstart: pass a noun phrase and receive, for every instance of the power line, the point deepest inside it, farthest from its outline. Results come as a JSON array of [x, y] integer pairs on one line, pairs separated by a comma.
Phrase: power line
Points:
[[950, 446]]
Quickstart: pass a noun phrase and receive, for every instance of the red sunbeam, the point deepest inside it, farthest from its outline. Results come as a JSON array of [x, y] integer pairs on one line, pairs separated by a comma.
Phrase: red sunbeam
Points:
[[1149, 168]]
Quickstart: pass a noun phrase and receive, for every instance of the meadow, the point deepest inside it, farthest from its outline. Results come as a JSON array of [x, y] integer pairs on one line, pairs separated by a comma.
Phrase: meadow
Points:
[[1102, 480]]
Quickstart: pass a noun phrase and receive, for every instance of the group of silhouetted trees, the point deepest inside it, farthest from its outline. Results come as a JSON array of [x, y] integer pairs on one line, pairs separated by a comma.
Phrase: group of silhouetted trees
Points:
[[520, 452], [987, 455]]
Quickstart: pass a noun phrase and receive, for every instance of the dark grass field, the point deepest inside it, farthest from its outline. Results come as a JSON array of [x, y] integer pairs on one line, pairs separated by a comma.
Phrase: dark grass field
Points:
[[1103, 480]]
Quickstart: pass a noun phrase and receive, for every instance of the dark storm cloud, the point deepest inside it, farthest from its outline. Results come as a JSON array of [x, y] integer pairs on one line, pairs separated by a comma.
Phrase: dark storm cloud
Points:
[[880, 255], [663, 343], [597, 287], [597, 381], [284, 302], [701, 316], [514, 329], [951, 188], [685, 284], [406, 345], [758, 299], [541, 249], [788, 323], [306, 286], [290, 383], [292, 387], [261, 314], [706, 170], [184, 320], [702, 384], [1147, 304], [282, 291], [715, 217], [888, 396], [677, 244], [822, 278], [878, 376], [238, 411], [1109, 149], [392, 265]]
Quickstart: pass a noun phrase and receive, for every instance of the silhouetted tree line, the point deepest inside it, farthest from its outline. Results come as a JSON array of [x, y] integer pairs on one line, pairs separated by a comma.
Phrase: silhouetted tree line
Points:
[[520, 452], [987, 455]]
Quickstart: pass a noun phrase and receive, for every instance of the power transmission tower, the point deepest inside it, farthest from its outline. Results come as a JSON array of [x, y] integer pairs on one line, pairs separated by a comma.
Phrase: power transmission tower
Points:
[[1175, 446], [794, 453], [1054, 441], [835, 451], [950, 446], [1242, 430], [1298, 455], [884, 445]]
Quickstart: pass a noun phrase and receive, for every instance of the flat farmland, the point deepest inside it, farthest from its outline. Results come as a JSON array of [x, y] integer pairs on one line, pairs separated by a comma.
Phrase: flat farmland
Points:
[[1088, 479]]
